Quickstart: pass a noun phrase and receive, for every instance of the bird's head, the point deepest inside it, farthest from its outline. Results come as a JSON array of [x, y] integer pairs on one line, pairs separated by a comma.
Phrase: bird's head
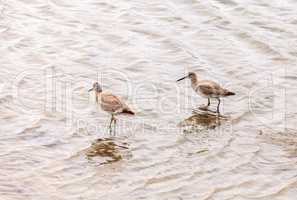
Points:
[[96, 87], [190, 75]]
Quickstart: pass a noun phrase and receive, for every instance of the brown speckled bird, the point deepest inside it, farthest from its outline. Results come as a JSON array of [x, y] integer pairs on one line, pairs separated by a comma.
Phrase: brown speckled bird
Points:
[[110, 103], [207, 89]]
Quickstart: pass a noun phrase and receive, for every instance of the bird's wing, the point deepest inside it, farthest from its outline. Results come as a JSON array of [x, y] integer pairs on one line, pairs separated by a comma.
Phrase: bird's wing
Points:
[[210, 88], [110, 102]]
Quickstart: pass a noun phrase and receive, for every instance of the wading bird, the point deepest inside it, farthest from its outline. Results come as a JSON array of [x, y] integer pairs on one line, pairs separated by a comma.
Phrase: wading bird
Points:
[[207, 89], [110, 103]]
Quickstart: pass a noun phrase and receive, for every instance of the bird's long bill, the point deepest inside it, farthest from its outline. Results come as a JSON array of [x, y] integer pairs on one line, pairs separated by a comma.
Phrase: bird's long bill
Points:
[[90, 89], [182, 78]]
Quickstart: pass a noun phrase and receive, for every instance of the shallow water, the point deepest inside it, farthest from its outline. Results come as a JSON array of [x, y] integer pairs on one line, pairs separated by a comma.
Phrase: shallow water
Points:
[[52, 51]]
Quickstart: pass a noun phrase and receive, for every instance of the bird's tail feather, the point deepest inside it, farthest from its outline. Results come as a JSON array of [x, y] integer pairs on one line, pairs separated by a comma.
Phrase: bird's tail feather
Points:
[[228, 93], [127, 111]]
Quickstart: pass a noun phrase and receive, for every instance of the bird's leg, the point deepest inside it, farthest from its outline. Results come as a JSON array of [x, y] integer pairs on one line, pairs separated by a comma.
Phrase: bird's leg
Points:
[[114, 124], [205, 107], [111, 120], [110, 129], [218, 107]]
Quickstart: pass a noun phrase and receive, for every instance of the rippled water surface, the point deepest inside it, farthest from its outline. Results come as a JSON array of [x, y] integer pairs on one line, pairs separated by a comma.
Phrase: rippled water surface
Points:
[[54, 142]]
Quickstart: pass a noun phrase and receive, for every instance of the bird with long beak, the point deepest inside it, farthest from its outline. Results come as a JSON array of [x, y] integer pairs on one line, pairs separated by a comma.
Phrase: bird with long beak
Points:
[[207, 89], [110, 103]]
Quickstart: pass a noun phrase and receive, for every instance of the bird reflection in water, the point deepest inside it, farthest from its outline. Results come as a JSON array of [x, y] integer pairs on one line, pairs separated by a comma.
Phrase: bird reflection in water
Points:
[[203, 119], [106, 150]]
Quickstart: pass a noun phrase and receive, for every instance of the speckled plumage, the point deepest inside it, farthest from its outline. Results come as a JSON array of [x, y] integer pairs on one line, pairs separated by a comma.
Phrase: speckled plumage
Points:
[[207, 89], [110, 103]]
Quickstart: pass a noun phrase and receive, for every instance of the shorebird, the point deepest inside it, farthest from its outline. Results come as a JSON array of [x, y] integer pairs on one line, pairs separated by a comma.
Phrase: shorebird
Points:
[[110, 103], [207, 89]]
